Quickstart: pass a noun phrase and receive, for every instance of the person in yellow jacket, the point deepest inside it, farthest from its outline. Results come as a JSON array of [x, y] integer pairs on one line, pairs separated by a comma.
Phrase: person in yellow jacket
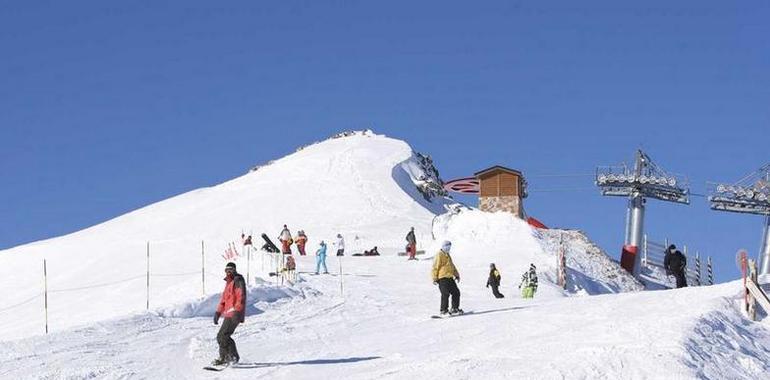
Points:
[[444, 275]]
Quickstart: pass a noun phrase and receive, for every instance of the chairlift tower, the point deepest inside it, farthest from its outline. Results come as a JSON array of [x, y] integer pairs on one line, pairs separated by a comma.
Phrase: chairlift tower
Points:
[[644, 180], [750, 195]]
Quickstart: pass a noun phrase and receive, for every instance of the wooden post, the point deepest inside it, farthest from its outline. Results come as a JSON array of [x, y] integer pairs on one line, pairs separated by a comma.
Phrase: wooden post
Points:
[[248, 264], [148, 275], [203, 270], [45, 293], [341, 286]]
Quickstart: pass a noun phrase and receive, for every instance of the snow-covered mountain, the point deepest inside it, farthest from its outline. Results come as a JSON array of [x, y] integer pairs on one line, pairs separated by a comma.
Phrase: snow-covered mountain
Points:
[[370, 188], [370, 317]]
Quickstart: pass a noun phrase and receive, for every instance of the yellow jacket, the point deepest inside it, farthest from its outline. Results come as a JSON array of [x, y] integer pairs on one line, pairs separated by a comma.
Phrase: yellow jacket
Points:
[[443, 267]]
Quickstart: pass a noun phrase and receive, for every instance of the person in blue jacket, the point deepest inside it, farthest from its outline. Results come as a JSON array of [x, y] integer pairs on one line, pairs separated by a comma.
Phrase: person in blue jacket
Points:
[[320, 258]]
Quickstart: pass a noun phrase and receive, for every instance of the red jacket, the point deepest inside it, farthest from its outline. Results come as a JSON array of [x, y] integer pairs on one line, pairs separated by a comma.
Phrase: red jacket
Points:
[[233, 298]]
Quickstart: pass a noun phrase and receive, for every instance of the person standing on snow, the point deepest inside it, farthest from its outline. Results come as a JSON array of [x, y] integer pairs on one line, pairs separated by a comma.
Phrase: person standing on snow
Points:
[[667, 259], [232, 306], [678, 267], [300, 241], [444, 275], [528, 283], [286, 240], [320, 258], [412, 244], [494, 280], [340, 245]]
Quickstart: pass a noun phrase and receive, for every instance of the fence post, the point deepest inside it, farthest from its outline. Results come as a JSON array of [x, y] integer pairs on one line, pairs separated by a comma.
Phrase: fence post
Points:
[[341, 287], [697, 267], [148, 275], [45, 293], [710, 271], [644, 250], [203, 270], [248, 264]]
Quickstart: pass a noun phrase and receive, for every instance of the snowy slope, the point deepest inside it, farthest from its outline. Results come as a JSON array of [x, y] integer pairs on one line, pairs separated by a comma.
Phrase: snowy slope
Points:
[[362, 185], [378, 328]]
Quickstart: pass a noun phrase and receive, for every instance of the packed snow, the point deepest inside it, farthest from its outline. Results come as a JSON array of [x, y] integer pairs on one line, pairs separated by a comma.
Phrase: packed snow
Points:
[[369, 318]]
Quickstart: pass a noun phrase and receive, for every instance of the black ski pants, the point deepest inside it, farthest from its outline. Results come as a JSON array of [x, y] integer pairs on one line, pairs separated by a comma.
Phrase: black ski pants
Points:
[[448, 287], [681, 279], [496, 292], [227, 349]]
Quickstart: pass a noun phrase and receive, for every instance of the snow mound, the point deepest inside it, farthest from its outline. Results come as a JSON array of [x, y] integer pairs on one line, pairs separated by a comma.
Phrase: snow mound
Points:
[[590, 270], [480, 238]]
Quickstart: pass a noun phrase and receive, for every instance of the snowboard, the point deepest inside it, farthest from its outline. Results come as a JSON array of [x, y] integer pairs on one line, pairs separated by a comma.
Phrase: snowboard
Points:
[[450, 315], [217, 368], [270, 247]]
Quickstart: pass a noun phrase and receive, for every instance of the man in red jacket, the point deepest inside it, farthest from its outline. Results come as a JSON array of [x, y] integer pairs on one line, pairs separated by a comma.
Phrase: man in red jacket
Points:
[[232, 306]]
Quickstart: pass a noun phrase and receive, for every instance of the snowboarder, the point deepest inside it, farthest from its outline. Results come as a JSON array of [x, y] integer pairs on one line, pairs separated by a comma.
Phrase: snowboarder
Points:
[[528, 283], [444, 275], [300, 242], [372, 252], [667, 259], [232, 306], [412, 244], [678, 266], [320, 258], [286, 240], [494, 280], [340, 245]]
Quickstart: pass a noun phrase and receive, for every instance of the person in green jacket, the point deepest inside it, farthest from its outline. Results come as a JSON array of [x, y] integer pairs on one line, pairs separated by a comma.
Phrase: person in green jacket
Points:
[[528, 283]]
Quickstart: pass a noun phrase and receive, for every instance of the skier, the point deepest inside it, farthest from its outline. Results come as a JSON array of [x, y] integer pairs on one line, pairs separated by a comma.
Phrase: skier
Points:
[[340, 245], [667, 259], [246, 241], [678, 267], [494, 280], [320, 258], [232, 306], [528, 283], [411, 244], [286, 240], [444, 275], [300, 241]]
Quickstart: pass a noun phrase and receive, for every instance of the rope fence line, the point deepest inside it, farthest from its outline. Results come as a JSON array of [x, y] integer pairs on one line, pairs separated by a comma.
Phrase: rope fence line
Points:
[[102, 285], [26, 301]]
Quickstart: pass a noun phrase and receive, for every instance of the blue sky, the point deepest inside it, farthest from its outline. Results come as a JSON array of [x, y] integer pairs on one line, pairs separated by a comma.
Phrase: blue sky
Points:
[[105, 108]]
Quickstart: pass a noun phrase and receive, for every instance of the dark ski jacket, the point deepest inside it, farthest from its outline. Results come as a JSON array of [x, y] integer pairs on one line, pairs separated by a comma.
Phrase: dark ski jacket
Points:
[[677, 262], [410, 238], [233, 299], [494, 277]]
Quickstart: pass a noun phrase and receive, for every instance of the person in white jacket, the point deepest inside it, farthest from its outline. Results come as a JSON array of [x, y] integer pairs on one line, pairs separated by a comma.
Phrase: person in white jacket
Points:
[[340, 245]]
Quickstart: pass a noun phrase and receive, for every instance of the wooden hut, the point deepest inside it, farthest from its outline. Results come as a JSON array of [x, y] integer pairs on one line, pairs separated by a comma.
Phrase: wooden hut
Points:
[[501, 189]]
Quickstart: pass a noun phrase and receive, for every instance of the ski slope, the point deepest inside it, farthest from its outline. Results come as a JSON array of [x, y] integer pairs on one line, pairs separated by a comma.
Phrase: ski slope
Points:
[[378, 326], [372, 321]]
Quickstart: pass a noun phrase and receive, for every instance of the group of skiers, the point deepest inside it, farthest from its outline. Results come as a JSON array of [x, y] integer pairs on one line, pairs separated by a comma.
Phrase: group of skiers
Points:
[[446, 276], [300, 241], [232, 304], [528, 284]]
